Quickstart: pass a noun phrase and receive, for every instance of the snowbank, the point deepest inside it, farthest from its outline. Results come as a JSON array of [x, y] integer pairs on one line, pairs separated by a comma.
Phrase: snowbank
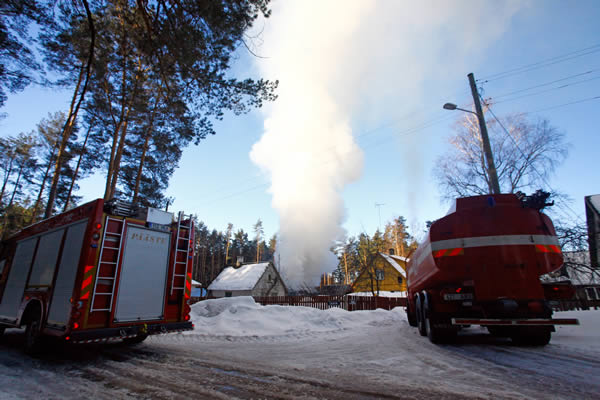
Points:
[[585, 336], [242, 316]]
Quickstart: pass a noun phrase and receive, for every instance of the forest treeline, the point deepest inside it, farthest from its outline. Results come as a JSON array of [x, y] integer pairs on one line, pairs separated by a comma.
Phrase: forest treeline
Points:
[[147, 78], [215, 250]]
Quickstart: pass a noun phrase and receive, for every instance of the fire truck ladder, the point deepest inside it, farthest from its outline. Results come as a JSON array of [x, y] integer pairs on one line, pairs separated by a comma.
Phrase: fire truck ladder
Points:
[[114, 236], [182, 252]]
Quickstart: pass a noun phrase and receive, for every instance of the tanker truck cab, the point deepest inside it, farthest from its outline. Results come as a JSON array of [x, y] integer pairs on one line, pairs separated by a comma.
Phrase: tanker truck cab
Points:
[[481, 265]]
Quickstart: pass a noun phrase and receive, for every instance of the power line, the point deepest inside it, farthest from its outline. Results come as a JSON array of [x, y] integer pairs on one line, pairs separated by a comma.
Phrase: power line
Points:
[[547, 83], [547, 90], [566, 104], [541, 64], [573, 213]]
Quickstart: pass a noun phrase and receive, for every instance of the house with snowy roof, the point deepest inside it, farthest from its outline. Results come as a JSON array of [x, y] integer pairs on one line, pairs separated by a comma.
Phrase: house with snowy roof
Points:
[[260, 279], [387, 273]]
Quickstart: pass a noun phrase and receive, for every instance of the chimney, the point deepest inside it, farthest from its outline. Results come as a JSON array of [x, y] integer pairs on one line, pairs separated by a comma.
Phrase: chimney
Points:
[[391, 252], [240, 261]]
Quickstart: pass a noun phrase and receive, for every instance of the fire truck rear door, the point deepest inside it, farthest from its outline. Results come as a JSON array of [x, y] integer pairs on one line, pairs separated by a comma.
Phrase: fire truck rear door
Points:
[[142, 282], [17, 276]]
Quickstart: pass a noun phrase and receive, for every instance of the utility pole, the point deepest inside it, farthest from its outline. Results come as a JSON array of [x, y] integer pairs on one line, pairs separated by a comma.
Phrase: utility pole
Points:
[[494, 186]]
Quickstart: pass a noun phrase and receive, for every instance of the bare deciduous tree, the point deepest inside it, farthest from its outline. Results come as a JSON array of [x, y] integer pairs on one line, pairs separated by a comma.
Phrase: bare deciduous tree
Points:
[[525, 156]]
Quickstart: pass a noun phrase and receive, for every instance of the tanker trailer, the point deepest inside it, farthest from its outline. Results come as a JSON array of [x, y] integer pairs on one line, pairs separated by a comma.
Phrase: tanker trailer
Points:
[[481, 265]]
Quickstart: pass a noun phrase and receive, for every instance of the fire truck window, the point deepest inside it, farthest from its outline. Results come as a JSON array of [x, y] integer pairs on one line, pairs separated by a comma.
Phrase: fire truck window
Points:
[[45, 259]]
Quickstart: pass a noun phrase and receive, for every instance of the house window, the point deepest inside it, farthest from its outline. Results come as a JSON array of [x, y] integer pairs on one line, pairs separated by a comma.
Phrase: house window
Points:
[[592, 293], [379, 274], [227, 294], [269, 277]]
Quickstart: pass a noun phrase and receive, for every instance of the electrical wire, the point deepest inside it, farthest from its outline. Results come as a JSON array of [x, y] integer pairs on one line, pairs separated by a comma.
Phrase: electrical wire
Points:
[[543, 178], [548, 83], [541, 64], [546, 91]]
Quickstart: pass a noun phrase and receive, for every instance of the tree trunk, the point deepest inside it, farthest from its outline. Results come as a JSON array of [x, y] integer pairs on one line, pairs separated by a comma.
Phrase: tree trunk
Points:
[[118, 155], [138, 178], [6, 178], [87, 135], [12, 198], [346, 280], [70, 122], [43, 184]]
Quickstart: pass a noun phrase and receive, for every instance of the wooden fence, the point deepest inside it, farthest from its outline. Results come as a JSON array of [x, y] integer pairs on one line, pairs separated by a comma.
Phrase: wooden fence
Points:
[[575, 304], [350, 303]]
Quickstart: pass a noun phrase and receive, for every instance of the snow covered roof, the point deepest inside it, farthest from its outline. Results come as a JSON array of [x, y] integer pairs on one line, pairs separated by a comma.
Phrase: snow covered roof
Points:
[[196, 283], [242, 278], [393, 262]]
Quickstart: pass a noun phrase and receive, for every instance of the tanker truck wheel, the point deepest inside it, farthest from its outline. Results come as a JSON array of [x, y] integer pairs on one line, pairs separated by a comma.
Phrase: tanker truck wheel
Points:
[[536, 338], [410, 315], [419, 316], [436, 335]]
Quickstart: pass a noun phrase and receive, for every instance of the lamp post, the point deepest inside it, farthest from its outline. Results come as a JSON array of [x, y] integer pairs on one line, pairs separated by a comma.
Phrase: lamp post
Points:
[[493, 184]]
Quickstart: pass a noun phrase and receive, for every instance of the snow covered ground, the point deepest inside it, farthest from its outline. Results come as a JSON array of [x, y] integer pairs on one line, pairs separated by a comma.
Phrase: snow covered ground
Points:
[[240, 349]]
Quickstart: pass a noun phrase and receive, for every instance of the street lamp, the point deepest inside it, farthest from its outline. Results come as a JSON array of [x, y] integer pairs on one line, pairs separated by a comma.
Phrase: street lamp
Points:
[[493, 184]]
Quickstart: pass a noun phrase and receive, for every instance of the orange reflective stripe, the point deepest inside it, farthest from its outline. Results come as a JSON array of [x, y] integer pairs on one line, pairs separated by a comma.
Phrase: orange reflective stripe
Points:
[[554, 248], [439, 253], [541, 248], [88, 268], [85, 296], [86, 282], [449, 252], [456, 252]]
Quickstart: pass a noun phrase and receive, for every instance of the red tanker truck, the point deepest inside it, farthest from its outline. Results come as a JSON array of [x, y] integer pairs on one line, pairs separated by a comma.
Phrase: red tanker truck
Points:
[[481, 265]]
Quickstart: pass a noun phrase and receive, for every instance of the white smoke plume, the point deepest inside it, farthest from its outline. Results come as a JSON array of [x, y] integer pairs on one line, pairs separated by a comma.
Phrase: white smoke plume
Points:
[[339, 62]]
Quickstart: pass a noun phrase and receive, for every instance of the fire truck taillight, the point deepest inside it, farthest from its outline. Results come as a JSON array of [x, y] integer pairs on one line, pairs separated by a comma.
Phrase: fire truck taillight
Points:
[[187, 317], [96, 236], [75, 325], [98, 226]]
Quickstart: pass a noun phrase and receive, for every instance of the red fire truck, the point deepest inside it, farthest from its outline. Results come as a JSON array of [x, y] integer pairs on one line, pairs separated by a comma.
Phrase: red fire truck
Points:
[[102, 271], [481, 265]]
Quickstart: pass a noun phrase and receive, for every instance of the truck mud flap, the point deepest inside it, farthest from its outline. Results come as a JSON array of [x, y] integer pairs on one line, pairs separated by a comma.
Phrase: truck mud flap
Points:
[[126, 332], [515, 322]]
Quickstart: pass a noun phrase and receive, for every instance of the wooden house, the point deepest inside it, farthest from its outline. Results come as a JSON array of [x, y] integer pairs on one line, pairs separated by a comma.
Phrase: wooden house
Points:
[[248, 280], [386, 274]]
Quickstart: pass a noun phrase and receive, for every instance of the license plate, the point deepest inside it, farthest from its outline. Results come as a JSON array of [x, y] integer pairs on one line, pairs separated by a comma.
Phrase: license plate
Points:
[[458, 296]]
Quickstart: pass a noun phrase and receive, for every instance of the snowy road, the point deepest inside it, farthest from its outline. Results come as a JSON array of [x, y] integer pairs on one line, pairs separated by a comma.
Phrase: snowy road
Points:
[[337, 355]]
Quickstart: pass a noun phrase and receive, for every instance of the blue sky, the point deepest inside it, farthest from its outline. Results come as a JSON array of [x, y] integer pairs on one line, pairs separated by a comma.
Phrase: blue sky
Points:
[[218, 181]]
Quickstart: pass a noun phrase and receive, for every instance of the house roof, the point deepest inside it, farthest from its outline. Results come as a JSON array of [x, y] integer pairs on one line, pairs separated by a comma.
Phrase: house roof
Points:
[[393, 260], [242, 278]]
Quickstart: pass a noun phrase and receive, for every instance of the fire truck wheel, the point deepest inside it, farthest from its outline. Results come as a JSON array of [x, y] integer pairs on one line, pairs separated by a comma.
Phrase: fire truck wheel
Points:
[[2, 330], [33, 336], [135, 340], [419, 315]]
